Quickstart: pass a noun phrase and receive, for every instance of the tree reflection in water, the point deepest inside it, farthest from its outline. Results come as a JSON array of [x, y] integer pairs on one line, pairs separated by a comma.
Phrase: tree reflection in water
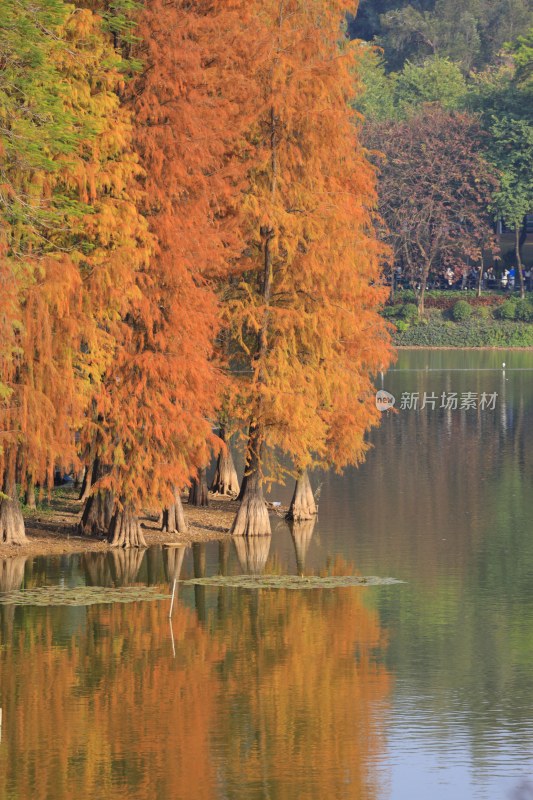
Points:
[[252, 553], [302, 533], [275, 694]]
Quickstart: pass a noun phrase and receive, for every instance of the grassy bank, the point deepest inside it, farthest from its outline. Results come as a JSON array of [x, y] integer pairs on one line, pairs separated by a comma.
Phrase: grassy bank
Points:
[[454, 319]]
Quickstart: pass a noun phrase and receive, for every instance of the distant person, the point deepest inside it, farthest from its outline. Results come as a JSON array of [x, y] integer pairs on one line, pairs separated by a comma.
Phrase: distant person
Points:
[[491, 278], [512, 279], [450, 277], [505, 279]]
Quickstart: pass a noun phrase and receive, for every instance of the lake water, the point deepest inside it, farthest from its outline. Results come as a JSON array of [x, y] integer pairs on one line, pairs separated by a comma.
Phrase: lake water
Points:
[[422, 689]]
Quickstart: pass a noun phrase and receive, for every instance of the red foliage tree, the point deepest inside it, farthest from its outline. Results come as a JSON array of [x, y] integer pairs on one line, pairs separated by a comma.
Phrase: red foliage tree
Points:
[[435, 191]]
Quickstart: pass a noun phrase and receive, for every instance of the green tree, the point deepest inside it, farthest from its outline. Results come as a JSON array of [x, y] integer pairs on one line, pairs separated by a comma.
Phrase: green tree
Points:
[[376, 98], [471, 33], [436, 80], [395, 95], [504, 98]]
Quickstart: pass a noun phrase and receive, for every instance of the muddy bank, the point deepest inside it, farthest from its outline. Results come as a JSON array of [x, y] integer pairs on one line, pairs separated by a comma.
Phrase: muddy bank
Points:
[[51, 529]]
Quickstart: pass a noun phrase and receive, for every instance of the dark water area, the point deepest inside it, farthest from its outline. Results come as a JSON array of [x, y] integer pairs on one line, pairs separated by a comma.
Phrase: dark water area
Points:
[[416, 690]]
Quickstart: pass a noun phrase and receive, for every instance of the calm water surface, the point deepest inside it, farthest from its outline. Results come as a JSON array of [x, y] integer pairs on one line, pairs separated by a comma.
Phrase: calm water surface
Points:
[[418, 690]]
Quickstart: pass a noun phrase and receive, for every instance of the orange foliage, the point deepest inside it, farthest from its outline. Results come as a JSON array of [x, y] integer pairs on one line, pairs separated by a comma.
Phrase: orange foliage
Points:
[[72, 286], [165, 386], [305, 314]]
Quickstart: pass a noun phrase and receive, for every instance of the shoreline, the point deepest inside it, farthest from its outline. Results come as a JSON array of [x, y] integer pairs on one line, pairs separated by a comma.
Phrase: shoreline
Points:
[[51, 529], [452, 347]]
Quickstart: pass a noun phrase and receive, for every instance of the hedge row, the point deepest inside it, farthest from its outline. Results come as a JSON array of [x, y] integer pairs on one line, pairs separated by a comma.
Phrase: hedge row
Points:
[[469, 333], [445, 300]]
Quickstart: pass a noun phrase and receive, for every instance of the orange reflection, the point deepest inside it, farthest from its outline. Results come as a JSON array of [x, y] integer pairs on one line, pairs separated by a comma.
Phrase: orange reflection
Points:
[[275, 694]]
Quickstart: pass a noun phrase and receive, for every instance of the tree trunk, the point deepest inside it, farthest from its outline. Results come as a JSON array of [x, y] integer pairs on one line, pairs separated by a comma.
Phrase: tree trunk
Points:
[[79, 477], [242, 491], [519, 262], [173, 517], [422, 296], [480, 279], [29, 496], [225, 480], [125, 530], [198, 494], [97, 514], [12, 529], [252, 517], [303, 504], [302, 533], [92, 473]]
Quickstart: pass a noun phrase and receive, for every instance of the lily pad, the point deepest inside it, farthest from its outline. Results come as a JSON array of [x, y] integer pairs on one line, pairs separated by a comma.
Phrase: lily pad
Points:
[[80, 595], [288, 581]]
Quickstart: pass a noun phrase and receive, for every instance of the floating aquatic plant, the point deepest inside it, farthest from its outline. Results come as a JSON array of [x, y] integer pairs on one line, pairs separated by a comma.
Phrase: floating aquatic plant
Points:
[[80, 595], [288, 581]]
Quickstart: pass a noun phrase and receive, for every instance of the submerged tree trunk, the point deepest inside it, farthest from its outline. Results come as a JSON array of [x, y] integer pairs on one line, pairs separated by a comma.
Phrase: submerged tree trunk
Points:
[[303, 504], [12, 529], [97, 514], [125, 529], [225, 480], [173, 516], [252, 517], [198, 494]]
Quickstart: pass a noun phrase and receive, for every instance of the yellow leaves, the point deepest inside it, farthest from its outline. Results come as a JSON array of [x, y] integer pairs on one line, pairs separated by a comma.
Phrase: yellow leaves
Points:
[[309, 181]]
